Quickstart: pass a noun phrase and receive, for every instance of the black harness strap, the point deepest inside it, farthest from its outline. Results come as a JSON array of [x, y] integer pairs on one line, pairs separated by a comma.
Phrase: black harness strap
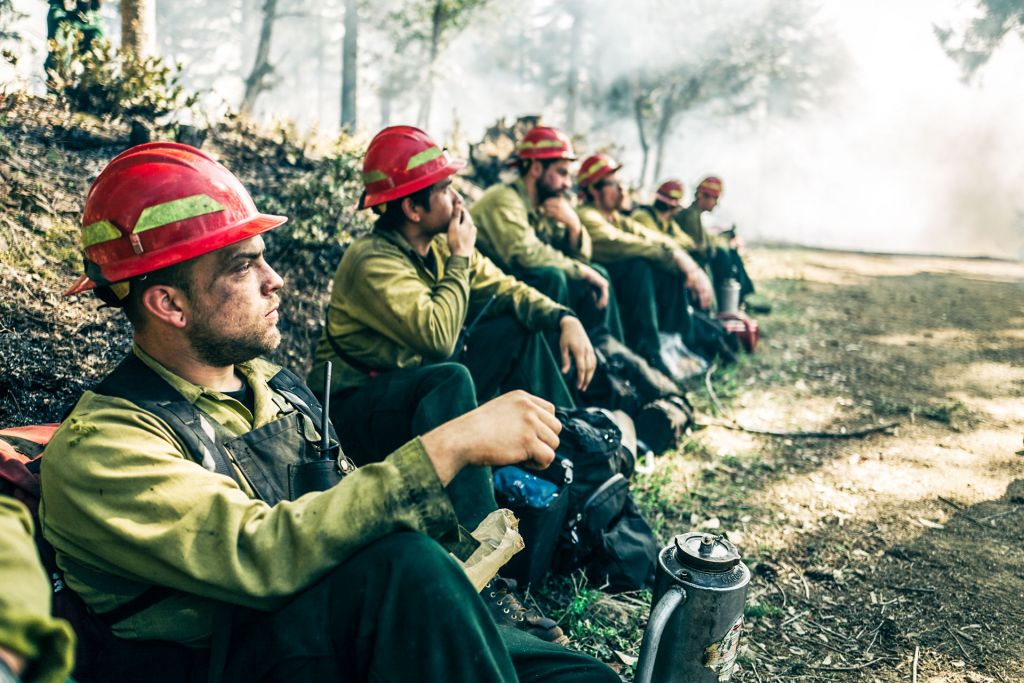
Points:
[[134, 381]]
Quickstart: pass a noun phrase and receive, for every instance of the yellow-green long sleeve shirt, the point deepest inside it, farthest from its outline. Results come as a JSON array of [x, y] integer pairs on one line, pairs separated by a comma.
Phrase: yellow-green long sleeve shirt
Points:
[[649, 219], [704, 242], [520, 237], [26, 627], [621, 237], [126, 507], [390, 310]]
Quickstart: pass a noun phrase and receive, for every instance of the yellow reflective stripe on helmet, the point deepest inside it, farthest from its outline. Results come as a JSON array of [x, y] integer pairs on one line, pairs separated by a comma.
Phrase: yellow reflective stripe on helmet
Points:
[[374, 177], [176, 210], [120, 290], [598, 165], [675, 194], [423, 157], [100, 231], [541, 144]]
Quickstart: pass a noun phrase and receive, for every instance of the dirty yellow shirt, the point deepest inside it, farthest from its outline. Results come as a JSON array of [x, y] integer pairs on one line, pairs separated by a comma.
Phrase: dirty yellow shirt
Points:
[[26, 627], [389, 310], [621, 237], [126, 507], [649, 219], [520, 237]]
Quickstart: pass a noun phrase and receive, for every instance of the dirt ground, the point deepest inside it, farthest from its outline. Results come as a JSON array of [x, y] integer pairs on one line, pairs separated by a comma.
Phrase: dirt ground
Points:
[[894, 557]]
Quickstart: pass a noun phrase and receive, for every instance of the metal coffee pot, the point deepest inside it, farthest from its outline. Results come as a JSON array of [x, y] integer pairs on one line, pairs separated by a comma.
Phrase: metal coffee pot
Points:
[[696, 618]]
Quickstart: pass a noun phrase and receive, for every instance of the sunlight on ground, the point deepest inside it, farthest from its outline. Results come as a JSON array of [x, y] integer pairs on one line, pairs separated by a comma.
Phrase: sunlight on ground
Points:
[[939, 337], [982, 378]]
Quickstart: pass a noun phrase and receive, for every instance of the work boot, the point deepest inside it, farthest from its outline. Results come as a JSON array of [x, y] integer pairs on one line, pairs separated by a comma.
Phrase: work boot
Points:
[[756, 303], [508, 610]]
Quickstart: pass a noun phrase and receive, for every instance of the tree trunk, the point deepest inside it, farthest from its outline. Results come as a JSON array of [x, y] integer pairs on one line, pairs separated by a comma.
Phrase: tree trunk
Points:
[[572, 87], [645, 146], [138, 24], [669, 107], [428, 87], [349, 65], [248, 38], [256, 82]]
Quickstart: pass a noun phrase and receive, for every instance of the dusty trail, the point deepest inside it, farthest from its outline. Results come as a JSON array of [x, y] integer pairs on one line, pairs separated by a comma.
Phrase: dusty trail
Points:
[[867, 550]]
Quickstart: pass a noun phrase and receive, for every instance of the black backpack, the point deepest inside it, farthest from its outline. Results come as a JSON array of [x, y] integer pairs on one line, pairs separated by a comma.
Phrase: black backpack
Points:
[[605, 533], [710, 339], [623, 380]]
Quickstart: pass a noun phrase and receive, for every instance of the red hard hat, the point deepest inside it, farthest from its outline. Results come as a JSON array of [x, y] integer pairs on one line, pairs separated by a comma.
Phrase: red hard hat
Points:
[[544, 142], [711, 186], [596, 167], [670, 192], [159, 204], [401, 160]]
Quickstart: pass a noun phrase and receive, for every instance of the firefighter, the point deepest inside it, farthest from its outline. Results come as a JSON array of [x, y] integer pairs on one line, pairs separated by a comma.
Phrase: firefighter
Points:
[[720, 254], [529, 228], [190, 501], [400, 330], [650, 272], [658, 214], [32, 643]]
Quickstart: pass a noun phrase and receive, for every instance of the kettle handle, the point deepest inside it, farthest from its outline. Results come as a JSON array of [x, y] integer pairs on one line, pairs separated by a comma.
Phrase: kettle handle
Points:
[[655, 626]]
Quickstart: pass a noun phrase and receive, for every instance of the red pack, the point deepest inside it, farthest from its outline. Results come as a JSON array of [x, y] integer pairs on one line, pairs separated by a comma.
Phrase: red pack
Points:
[[743, 326]]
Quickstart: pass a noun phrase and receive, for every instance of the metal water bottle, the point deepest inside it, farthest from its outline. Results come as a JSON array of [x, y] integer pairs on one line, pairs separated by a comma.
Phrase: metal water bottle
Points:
[[696, 618]]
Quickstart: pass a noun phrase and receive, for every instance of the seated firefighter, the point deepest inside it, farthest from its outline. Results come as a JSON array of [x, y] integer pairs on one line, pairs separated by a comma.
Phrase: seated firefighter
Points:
[[183, 494], [396, 332], [718, 253], [34, 646], [658, 214], [650, 272], [529, 228]]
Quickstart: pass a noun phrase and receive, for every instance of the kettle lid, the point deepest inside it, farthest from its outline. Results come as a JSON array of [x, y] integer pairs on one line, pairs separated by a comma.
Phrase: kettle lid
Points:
[[706, 552]]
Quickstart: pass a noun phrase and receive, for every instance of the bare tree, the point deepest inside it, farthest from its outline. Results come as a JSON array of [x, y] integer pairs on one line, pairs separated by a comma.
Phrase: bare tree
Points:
[[258, 79], [349, 65]]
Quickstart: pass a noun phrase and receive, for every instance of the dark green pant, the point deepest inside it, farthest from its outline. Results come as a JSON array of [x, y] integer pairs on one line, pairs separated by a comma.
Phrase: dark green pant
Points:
[[577, 295], [503, 355], [653, 300], [727, 263], [398, 610], [393, 407]]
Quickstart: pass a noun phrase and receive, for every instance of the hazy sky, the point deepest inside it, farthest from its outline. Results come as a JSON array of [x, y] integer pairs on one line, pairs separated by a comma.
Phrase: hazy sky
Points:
[[910, 158]]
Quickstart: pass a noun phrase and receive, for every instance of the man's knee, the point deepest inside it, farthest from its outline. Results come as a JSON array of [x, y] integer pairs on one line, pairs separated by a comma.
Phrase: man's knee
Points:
[[410, 555], [551, 282]]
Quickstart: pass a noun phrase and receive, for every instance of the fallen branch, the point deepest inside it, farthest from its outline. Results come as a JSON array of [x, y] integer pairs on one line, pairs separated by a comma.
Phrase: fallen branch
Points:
[[848, 668], [732, 423], [960, 508], [917, 657]]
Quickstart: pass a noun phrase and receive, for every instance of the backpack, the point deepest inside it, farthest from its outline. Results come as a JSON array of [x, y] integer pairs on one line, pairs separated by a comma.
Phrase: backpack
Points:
[[623, 380], [710, 339], [21, 450], [605, 533]]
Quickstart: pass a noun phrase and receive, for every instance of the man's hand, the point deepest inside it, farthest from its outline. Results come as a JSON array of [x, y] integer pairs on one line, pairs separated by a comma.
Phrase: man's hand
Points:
[[14, 662], [597, 281], [516, 427], [461, 231], [696, 279], [576, 347], [561, 210]]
